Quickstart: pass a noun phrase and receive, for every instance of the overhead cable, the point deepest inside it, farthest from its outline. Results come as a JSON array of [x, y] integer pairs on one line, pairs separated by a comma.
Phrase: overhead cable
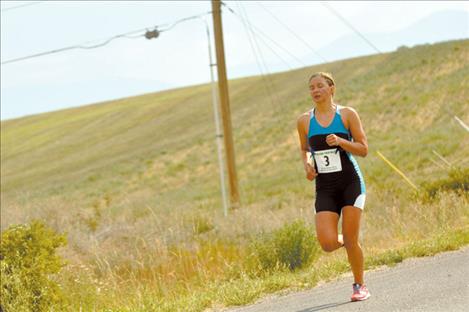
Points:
[[267, 37], [293, 32], [129, 35], [350, 26], [259, 59], [273, 51], [254, 35], [21, 6]]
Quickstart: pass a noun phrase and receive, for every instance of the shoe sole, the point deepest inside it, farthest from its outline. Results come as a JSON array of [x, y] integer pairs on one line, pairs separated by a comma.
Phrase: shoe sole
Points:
[[361, 299]]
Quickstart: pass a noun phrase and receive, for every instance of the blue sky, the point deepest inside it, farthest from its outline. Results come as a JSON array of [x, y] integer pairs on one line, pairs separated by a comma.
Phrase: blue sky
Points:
[[179, 57]]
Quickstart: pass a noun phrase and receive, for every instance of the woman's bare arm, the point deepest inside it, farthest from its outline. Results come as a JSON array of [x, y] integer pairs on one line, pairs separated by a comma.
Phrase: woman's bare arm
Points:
[[302, 125], [359, 145]]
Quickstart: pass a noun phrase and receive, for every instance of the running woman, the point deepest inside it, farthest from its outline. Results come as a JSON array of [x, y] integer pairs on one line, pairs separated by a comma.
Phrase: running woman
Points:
[[330, 135]]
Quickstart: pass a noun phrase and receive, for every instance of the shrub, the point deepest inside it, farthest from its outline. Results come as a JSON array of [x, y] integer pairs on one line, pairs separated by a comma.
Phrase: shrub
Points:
[[28, 257], [457, 180], [402, 48], [202, 225], [292, 246]]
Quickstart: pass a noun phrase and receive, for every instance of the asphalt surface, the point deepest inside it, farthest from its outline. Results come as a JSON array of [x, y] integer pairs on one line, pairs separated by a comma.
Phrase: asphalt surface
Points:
[[438, 283]]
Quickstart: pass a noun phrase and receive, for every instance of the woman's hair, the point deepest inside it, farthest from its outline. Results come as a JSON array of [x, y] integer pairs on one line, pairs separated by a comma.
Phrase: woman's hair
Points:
[[326, 76]]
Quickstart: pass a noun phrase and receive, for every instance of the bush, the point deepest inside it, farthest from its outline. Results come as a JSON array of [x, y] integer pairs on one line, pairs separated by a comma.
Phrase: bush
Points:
[[28, 257], [292, 246], [202, 225], [402, 48], [457, 180]]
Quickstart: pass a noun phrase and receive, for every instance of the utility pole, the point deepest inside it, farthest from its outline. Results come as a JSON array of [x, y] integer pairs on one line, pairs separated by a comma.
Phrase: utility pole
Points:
[[225, 103]]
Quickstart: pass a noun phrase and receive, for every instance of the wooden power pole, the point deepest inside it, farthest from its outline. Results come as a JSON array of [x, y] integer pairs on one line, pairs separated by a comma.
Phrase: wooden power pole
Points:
[[225, 103]]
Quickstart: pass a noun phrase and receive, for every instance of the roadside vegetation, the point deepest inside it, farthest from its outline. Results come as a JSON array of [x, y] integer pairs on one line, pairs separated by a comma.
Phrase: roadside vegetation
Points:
[[132, 186]]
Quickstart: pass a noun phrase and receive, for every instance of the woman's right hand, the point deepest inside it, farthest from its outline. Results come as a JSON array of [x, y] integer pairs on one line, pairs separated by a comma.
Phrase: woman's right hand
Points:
[[310, 172]]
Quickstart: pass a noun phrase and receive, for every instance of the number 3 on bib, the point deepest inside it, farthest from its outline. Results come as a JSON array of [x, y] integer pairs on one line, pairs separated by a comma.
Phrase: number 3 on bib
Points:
[[328, 161]]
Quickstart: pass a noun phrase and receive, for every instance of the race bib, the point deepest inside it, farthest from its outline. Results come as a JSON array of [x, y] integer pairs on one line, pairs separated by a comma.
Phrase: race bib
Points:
[[328, 160]]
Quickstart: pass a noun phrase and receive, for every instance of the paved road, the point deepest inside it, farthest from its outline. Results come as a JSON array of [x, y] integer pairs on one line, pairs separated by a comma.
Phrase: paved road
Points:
[[439, 283]]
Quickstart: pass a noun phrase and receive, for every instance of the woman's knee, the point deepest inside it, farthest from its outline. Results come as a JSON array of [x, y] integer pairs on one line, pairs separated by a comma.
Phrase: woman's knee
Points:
[[351, 242], [329, 245]]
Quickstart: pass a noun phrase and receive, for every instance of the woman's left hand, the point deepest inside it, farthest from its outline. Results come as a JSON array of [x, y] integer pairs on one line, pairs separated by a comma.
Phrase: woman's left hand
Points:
[[333, 140]]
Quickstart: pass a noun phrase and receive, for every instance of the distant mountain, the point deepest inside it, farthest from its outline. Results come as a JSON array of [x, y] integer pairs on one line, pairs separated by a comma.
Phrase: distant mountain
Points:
[[431, 29]]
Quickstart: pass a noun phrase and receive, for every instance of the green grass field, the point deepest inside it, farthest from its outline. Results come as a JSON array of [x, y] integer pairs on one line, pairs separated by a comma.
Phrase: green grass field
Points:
[[134, 183]]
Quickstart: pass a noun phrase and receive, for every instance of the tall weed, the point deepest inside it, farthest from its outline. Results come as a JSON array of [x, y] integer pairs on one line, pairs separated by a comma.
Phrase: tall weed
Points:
[[28, 259], [292, 246]]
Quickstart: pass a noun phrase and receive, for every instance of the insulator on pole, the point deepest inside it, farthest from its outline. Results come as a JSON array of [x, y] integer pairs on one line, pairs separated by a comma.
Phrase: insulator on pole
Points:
[[150, 34]]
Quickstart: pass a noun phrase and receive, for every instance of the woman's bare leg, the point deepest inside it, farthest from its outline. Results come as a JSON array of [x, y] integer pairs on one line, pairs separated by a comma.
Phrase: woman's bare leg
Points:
[[326, 230], [350, 229]]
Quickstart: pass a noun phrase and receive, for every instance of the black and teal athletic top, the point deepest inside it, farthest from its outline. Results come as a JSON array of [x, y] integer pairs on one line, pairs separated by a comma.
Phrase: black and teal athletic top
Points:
[[342, 187]]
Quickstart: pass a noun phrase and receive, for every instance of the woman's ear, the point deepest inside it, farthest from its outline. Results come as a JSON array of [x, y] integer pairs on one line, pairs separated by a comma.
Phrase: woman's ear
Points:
[[332, 90]]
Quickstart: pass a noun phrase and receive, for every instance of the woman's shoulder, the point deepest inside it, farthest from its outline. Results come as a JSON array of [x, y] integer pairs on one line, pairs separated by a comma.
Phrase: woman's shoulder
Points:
[[304, 117], [302, 122], [347, 110]]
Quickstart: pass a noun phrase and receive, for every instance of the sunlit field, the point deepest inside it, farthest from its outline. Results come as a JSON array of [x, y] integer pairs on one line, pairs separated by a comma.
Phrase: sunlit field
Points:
[[134, 183]]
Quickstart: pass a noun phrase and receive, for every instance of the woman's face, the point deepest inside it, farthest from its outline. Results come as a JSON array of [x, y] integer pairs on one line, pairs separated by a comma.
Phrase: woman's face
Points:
[[319, 89]]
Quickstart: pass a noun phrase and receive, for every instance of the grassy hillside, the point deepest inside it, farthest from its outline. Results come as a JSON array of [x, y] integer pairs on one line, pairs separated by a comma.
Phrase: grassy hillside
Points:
[[134, 142], [123, 176]]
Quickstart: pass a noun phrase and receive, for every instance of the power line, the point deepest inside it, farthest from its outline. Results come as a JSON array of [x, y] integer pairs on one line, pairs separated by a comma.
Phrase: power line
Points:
[[259, 60], [267, 37], [278, 45], [250, 36], [250, 30], [292, 32], [21, 6], [273, 50], [128, 35], [78, 46], [173, 24], [350, 25], [249, 25]]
